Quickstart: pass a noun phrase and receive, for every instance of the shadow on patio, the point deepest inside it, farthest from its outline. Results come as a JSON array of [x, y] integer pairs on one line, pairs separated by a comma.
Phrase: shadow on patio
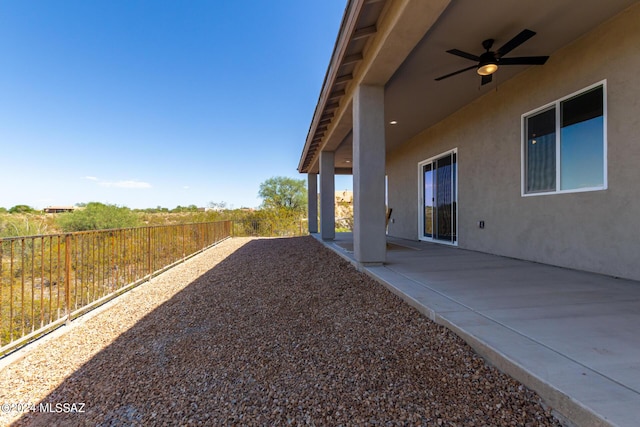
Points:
[[285, 331]]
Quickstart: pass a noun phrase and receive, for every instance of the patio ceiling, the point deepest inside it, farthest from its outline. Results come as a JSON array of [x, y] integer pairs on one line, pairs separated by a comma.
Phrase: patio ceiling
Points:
[[412, 97]]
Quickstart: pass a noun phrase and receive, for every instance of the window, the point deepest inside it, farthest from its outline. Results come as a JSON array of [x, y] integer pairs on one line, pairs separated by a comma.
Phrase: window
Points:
[[564, 145]]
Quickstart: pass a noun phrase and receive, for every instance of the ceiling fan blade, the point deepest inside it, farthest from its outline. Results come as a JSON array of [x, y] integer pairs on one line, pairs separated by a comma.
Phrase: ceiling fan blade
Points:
[[464, 55], [515, 42], [486, 79], [456, 72], [524, 60]]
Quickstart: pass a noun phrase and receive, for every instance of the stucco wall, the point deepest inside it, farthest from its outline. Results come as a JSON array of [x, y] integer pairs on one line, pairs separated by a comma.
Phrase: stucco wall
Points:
[[595, 231]]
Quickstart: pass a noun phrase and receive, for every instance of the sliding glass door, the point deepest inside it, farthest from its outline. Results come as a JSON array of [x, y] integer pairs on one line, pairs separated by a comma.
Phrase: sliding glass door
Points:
[[439, 198]]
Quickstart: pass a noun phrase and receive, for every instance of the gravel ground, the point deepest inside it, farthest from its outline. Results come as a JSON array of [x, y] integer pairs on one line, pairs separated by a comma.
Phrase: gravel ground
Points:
[[275, 332]]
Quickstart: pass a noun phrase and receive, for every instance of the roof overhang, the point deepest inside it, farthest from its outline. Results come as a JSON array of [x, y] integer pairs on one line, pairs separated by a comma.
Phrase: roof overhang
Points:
[[358, 24], [402, 44]]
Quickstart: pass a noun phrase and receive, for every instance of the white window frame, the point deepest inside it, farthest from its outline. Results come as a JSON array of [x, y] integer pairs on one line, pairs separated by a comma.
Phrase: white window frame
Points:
[[421, 235], [556, 104]]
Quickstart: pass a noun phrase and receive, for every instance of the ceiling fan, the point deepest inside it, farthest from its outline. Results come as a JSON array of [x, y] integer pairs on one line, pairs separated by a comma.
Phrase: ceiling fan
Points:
[[489, 61]]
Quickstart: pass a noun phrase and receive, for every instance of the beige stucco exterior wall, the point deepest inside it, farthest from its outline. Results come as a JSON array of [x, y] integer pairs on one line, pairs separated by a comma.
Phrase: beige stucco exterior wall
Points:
[[594, 231]]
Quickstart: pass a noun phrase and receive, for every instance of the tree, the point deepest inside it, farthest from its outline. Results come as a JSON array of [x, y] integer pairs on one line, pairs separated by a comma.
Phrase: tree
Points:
[[98, 216], [218, 206], [21, 209], [190, 208], [281, 192]]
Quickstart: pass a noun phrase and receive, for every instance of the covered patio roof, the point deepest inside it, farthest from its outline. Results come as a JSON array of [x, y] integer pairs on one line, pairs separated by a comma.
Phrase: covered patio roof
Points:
[[402, 44]]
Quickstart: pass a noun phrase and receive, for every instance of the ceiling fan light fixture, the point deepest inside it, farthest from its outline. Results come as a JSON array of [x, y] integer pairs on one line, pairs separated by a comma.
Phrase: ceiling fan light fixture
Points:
[[487, 69], [488, 61]]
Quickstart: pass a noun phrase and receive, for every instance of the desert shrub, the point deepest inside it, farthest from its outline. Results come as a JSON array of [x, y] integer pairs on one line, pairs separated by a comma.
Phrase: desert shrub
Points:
[[18, 225], [21, 209], [98, 216]]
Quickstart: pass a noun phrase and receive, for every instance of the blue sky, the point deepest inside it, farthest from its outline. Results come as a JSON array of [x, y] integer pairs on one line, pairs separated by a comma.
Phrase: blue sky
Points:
[[157, 103]]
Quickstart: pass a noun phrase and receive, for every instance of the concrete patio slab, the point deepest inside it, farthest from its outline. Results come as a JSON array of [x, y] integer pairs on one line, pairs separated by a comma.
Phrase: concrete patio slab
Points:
[[569, 335]]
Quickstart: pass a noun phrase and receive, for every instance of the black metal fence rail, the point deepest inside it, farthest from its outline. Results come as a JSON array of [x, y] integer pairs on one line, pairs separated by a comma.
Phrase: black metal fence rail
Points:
[[46, 281]]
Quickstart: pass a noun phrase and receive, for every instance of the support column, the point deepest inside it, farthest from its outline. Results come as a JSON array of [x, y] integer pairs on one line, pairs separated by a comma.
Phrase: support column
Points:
[[312, 202], [369, 235], [327, 196]]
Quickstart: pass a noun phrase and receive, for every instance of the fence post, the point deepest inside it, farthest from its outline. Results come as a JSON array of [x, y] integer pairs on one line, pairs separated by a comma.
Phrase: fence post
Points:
[[1, 286], [149, 252], [67, 276]]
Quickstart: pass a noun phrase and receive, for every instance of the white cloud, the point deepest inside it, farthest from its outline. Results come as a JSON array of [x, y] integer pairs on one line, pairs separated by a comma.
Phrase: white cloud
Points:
[[186, 187], [131, 183], [125, 184]]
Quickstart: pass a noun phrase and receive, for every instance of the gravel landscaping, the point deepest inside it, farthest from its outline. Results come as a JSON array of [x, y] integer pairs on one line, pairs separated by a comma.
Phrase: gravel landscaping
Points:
[[264, 332]]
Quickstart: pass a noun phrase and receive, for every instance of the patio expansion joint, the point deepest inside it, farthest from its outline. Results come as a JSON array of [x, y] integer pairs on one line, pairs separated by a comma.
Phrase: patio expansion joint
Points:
[[479, 313]]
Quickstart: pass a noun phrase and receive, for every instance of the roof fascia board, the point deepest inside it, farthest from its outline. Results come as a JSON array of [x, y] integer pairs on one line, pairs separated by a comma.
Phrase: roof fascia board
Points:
[[347, 28]]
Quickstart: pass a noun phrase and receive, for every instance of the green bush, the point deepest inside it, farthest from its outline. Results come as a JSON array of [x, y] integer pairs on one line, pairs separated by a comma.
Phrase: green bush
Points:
[[98, 216], [21, 209]]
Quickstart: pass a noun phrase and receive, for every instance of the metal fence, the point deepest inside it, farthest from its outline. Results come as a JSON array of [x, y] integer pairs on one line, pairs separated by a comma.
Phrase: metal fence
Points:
[[48, 280], [270, 227]]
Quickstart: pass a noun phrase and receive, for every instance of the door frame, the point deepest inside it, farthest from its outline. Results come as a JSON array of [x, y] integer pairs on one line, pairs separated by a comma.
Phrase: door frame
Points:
[[421, 206]]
